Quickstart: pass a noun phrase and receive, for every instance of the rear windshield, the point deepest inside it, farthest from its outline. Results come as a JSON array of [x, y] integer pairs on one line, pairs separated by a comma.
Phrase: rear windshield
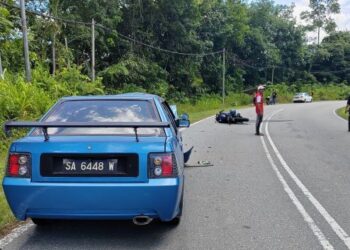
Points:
[[103, 111]]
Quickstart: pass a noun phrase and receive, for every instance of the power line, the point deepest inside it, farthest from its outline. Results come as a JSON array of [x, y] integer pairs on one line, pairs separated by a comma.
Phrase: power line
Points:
[[129, 39], [334, 71], [158, 48], [67, 21], [241, 62]]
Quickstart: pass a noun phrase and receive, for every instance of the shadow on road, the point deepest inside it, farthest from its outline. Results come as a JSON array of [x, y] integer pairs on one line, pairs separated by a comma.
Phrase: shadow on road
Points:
[[98, 235]]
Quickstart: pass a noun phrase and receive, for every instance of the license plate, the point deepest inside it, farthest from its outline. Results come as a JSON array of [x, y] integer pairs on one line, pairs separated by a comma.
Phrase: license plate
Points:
[[89, 166]]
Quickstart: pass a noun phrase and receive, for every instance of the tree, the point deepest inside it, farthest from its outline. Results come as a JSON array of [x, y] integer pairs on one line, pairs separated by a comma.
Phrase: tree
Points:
[[332, 63], [224, 24], [108, 44], [320, 16]]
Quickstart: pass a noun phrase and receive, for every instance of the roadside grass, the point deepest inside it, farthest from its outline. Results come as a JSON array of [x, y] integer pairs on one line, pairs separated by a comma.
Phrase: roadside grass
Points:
[[199, 115], [6, 218], [341, 113], [210, 105]]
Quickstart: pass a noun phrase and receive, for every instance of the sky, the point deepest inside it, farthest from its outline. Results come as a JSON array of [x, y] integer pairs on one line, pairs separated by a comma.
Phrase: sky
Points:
[[342, 19]]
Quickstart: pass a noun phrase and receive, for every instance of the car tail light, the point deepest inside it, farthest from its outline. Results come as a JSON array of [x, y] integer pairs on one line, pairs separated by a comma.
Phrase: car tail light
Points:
[[19, 165], [162, 165]]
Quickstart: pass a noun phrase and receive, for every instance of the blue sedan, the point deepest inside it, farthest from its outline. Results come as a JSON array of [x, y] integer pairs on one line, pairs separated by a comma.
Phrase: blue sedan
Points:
[[99, 157]]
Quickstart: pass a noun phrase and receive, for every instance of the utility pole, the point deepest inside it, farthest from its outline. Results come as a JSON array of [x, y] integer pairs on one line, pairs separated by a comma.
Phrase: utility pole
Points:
[[25, 41], [273, 74], [93, 50], [53, 53], [223, 76]]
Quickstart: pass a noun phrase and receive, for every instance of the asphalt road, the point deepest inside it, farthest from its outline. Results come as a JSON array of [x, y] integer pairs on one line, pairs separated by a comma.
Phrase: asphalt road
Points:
[[289, 189]]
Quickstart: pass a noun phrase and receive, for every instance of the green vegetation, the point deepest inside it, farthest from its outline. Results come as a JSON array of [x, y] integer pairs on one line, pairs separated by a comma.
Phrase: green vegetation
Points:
[[149, 45], [341, 113], [23, 101], [320, 16], [6, 216], [209, 105]]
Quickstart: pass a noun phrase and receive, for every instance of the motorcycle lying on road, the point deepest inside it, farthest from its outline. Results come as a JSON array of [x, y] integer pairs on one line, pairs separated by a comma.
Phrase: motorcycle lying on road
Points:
[[231, 117]]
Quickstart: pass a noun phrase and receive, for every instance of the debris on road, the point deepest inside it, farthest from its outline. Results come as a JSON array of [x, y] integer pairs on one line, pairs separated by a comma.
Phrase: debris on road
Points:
[[200, 164]]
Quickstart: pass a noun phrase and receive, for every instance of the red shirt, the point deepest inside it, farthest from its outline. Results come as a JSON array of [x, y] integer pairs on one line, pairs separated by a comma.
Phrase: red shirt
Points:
[[259, 103]]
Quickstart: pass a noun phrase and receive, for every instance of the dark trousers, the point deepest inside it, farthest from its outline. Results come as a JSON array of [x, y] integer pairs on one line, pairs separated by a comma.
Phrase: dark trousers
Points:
[[259, 119]]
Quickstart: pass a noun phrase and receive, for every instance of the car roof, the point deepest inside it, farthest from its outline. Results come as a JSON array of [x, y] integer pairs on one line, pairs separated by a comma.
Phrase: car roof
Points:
[[134, 96]]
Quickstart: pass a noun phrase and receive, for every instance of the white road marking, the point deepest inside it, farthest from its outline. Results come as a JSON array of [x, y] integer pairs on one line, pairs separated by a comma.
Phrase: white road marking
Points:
[[311, 223], [15, 233], [195, 123], [202, 120], [339, 117], [330, 220]]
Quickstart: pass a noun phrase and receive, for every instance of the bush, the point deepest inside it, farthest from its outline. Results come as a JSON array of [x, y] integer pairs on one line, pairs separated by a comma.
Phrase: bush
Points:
[[20, 100], [214, 102], [135, 74]]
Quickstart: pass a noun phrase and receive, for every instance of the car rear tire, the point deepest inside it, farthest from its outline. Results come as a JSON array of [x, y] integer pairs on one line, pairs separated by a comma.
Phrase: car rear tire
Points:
[[41, 222], [176, 221]]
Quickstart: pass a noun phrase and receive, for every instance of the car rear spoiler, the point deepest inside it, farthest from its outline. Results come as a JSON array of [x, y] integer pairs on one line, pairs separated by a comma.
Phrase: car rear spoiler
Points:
[[45, 125]]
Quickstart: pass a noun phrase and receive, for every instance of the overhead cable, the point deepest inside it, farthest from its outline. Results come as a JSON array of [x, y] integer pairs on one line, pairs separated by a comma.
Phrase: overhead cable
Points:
[[67, 21]]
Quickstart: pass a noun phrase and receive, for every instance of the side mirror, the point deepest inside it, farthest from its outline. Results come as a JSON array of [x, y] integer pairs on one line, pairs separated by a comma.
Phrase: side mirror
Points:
[[185, 116], [183, 122]]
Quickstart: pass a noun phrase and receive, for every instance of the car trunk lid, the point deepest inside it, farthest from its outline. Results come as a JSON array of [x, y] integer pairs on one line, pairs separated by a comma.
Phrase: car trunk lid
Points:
[[80, 158]]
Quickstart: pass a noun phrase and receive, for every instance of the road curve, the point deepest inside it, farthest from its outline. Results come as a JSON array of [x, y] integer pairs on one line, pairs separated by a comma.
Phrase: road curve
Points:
[[287, 190]]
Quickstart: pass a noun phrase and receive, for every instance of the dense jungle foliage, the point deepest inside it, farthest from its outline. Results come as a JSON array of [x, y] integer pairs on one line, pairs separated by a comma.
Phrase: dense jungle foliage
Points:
[[169, 48], [263, 44]]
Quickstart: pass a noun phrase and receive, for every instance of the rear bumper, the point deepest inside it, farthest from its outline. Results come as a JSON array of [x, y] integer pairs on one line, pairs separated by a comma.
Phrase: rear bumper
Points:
[[159, 198]]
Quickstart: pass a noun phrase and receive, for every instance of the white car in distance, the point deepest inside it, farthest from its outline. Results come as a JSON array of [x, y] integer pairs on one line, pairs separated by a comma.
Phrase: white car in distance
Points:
[[302, 97]]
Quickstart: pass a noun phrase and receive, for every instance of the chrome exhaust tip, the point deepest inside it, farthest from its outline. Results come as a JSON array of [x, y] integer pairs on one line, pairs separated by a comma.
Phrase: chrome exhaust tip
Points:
[[142, 220]]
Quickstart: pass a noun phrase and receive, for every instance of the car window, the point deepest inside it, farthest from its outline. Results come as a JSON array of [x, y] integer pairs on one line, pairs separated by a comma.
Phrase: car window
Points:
[[103, 111], [170, 115]]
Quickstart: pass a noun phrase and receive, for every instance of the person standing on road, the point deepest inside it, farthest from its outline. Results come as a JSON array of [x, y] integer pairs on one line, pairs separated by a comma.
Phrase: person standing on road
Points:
[[274, 96], [259, 108], [347, 109]]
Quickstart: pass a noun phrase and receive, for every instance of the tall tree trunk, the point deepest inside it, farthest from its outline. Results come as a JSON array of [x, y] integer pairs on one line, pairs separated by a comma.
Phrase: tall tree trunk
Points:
[[93, 50], [67, 51], [318, 35], [25, 42], [53, 54]]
